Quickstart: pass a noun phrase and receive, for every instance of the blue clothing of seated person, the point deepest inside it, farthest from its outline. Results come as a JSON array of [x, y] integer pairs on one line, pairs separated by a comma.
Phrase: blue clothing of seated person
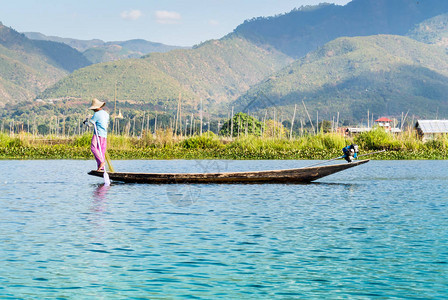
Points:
[[350, 152]]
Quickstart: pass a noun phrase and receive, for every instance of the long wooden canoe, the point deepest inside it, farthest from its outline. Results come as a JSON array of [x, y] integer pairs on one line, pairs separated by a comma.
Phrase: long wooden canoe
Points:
[[301, 175]]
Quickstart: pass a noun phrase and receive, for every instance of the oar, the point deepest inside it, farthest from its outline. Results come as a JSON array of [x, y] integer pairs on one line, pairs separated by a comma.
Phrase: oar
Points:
[[372, 153], [109, 163], [105, 175], [323, 162]]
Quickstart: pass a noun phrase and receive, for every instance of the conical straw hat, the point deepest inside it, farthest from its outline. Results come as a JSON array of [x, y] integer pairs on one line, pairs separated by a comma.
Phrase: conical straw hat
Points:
[[96, 104]]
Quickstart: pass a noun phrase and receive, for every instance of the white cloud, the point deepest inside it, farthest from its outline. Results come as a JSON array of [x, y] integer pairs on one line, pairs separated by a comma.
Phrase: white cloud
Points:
[[131, 15], [213, 22], [167, 17]]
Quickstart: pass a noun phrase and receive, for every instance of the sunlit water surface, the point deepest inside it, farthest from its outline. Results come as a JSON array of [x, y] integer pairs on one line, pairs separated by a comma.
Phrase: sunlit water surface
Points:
[[379, 230]]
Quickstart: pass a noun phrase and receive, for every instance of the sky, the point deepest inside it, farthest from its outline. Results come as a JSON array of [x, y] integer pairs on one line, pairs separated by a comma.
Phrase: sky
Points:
[[171, 22]]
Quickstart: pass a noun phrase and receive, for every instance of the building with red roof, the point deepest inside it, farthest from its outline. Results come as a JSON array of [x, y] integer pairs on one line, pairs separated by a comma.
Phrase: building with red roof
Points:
[[386, 123], [383, 119]]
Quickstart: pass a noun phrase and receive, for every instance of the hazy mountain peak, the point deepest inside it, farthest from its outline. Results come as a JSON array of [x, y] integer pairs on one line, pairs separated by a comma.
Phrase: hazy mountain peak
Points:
[[98, 51], [432, 31], [303, 30]]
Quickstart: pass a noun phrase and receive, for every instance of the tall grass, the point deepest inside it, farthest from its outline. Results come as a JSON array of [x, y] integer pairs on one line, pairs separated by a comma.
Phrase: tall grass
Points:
[[377, 139], [207, 141], [165, 145]]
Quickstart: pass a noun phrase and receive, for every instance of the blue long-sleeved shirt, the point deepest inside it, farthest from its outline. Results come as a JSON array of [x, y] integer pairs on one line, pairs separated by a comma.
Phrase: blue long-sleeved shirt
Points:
[[101, 119]]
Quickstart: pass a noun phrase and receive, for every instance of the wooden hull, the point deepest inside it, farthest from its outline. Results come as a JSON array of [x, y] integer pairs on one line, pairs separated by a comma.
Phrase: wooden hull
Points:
[[301, 175]]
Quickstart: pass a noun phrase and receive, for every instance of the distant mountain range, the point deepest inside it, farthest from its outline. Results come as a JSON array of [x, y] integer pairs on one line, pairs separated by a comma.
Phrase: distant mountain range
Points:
[[97, 51], [215, 72], [307, 28], [206, 72], [349, 59], [80, 45]]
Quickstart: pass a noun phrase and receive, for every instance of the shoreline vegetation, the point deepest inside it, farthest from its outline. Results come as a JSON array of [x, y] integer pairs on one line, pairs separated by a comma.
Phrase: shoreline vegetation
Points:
[[166, 145]]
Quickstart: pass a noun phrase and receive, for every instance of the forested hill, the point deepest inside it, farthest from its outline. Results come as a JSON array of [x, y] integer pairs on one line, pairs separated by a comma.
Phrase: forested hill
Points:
[[27, 67], [384, 74], [307, 28], [217, 71]]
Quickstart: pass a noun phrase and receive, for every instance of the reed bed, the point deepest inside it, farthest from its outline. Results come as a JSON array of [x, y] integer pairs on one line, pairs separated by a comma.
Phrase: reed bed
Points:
[[165, 145]]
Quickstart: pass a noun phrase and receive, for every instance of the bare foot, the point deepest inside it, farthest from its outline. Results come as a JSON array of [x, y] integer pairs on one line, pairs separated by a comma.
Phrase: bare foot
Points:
[[101, 167]]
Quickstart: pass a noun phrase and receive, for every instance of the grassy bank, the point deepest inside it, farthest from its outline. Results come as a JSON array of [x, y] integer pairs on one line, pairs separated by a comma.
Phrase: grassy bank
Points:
[[209, 146]]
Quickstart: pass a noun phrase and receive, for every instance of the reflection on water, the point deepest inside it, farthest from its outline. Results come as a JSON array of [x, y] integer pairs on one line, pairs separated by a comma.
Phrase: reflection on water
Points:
[[99, 197], [98, 211], [359, 234], [100, 192]]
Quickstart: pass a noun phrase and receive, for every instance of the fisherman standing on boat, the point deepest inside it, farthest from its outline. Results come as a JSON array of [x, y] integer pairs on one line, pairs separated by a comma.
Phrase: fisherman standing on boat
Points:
[[100, 121]]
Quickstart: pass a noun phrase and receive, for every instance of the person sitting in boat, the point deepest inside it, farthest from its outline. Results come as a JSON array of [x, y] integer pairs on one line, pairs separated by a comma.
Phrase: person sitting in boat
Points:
[[100, 121], [350, 152]]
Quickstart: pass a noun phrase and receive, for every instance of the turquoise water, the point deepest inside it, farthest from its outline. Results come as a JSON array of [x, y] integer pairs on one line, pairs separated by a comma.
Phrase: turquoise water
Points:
[[379, 230]]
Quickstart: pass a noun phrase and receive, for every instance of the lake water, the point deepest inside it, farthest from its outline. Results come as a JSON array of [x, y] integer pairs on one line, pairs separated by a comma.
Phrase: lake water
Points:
[[379, 230]]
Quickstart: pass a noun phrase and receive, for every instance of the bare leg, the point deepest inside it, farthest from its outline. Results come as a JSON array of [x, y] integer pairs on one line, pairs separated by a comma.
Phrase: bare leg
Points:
[[101, 166]]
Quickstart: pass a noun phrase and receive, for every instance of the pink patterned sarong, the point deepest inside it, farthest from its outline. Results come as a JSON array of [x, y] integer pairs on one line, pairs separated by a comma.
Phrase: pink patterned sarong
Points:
[[94, 148]]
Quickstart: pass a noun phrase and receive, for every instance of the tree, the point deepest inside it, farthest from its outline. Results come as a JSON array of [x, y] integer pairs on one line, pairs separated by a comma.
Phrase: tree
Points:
[[274, 129], [325, 126], [43, 129], [243, 124]]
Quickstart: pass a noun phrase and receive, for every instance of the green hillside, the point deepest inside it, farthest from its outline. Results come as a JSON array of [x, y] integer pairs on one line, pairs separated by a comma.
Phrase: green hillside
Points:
[[27, 67], [384, 74], [217, 71], [432, 31], [133, 80], [56, 54], [62, 56], [25, 70]]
